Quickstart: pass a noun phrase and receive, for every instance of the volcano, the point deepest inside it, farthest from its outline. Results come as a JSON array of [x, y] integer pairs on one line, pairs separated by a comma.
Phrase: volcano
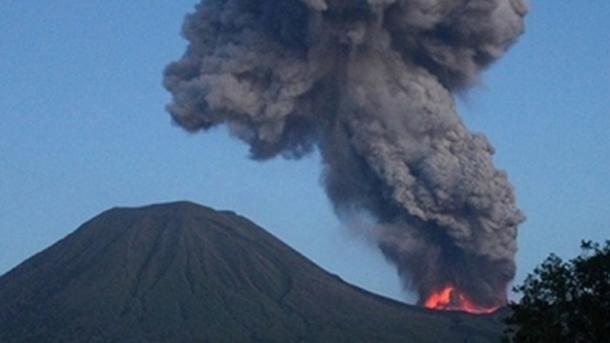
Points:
[[182, 272]]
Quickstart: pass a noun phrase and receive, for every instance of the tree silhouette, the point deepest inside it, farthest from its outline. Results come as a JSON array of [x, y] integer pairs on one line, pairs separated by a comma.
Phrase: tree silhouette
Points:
[[565, 301]]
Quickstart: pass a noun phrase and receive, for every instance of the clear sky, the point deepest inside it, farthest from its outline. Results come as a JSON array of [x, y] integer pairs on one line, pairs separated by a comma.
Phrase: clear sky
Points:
[[83, 129]]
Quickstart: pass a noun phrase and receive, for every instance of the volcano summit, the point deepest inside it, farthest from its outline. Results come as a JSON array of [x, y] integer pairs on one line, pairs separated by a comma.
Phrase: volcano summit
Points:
[[182, 272]]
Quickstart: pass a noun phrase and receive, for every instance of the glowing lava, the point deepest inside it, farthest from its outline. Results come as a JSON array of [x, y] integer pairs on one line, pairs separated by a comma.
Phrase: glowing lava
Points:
[[449, 298]]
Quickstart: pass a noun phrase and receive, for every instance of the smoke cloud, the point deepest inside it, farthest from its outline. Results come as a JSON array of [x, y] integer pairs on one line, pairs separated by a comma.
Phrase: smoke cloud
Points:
[[369, 83]]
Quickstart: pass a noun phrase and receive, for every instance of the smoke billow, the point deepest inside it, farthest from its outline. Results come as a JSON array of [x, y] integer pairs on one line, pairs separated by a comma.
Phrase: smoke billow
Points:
[[369, 83]]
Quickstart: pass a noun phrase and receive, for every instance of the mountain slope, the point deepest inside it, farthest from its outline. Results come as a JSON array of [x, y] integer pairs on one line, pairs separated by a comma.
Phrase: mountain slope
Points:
[[182, 272]]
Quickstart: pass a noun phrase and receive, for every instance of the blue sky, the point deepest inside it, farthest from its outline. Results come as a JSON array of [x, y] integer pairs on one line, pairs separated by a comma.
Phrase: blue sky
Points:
[[83, 129]]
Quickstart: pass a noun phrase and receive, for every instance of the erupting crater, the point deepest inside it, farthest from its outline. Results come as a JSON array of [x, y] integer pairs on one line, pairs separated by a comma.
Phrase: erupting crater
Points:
[[450, 298]]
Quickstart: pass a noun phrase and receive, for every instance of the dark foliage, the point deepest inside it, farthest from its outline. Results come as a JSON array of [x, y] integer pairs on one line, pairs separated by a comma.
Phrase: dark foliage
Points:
[[565, 301]]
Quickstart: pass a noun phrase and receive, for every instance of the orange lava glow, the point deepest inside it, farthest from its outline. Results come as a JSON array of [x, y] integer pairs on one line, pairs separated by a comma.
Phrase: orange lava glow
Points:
[[449, 298]]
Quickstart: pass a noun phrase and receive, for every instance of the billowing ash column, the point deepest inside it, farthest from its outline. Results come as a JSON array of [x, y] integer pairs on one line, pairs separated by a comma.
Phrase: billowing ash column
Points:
[[369, 83]]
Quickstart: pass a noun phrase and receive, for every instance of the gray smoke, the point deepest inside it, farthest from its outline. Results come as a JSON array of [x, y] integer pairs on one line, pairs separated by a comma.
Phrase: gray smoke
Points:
[[369, 83]]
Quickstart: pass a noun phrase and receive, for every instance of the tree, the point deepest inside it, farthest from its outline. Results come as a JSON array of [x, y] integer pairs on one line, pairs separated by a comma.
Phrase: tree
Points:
[[565, 301]]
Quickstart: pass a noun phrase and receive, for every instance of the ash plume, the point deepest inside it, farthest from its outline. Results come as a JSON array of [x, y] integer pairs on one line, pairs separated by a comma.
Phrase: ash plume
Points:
[[370, 84]]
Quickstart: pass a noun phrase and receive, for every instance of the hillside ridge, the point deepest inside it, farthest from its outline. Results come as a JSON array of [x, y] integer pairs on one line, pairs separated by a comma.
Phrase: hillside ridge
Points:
[[183, 272]]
